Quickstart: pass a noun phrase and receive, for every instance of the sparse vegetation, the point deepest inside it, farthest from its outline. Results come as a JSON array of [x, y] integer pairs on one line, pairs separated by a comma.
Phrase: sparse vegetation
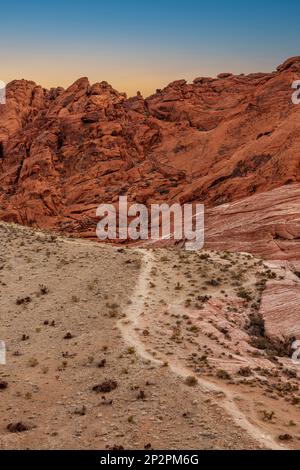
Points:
[[191, 381], [105, 387], [223, 375], [19, 427]]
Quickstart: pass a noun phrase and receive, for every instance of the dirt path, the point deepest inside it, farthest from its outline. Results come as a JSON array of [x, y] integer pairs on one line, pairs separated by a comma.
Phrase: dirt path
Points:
[[128, 329]]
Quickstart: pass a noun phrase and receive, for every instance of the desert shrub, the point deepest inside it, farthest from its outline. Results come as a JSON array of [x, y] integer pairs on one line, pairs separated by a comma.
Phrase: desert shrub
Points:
[[191, 381]]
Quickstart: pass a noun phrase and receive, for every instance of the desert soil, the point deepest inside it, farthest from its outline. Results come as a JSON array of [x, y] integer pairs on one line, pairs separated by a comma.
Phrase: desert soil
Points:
[[135, 348]]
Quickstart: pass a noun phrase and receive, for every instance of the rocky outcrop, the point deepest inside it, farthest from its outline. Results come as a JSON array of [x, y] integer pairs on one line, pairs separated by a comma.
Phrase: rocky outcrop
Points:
[[280, 310], [217, 140]]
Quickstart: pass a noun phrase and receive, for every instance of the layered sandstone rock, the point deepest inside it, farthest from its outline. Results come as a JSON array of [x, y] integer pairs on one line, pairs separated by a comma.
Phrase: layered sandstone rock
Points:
[[266, 224], [63, 152]]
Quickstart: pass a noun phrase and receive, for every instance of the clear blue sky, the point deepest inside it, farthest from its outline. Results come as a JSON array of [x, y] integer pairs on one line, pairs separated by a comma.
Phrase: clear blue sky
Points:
[[143, 44]]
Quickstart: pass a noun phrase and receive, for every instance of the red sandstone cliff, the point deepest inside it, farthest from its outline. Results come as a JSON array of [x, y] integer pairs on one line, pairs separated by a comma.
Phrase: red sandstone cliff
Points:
[[63, 152]]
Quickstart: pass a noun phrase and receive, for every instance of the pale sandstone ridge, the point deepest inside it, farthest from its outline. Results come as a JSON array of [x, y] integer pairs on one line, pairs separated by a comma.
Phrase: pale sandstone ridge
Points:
[[266, 224], [63, 152]]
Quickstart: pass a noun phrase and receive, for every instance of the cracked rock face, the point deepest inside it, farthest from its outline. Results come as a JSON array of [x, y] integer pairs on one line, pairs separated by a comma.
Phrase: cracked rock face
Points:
[[217, 141]]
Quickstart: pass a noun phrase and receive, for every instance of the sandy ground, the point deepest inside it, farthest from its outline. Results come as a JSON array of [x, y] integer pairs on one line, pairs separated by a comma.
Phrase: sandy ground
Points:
[[100, 342]]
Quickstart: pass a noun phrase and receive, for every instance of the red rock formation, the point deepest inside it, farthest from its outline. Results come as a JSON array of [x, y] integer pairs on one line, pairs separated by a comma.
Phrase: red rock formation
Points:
[[63, 152]]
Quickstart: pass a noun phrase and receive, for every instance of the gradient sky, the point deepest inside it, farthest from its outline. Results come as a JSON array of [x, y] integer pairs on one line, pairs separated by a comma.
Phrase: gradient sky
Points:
[[143, 45]]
